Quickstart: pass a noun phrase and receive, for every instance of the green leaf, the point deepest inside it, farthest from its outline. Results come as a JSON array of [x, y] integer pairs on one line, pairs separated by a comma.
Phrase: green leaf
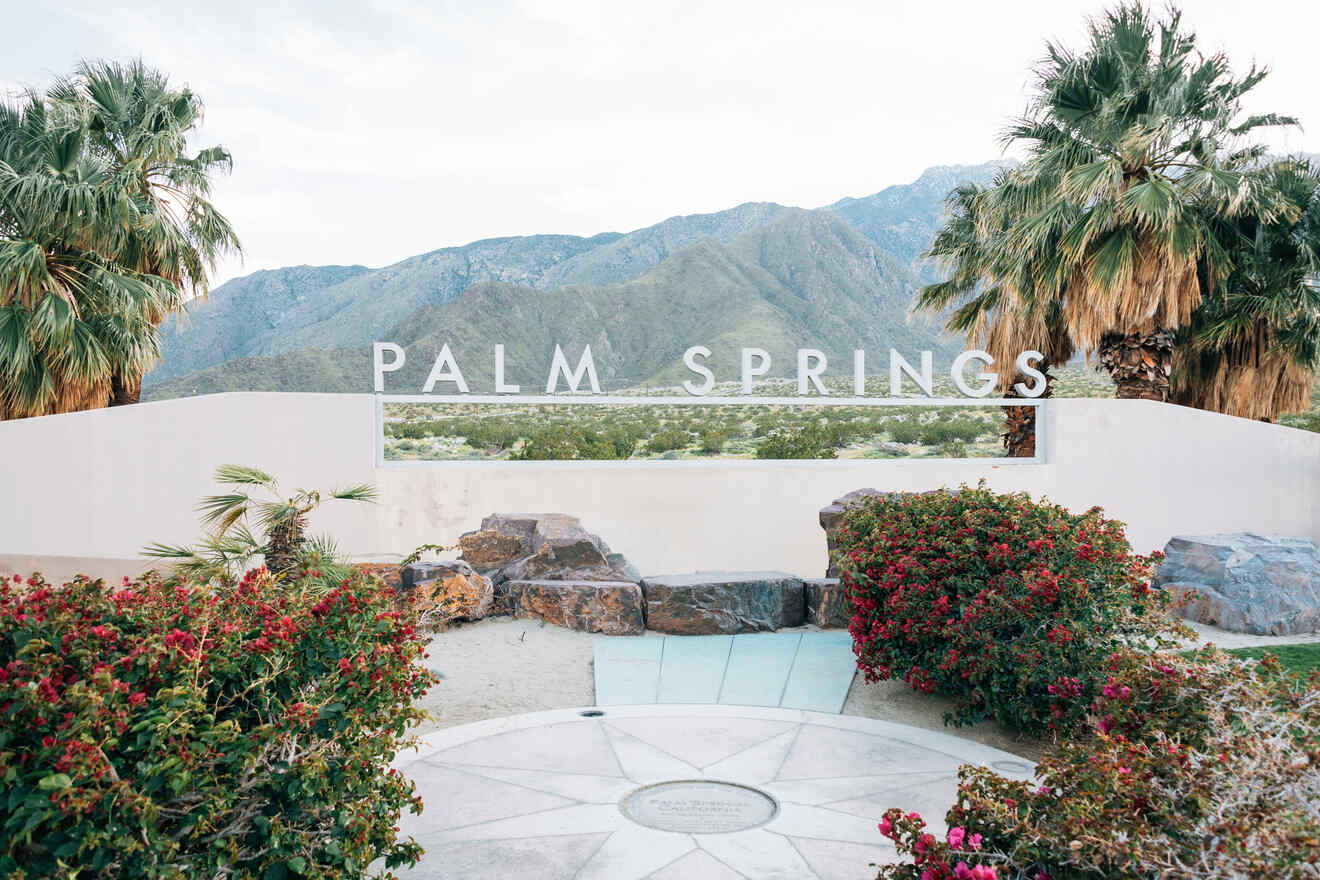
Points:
[[297, 864], [55, 782]]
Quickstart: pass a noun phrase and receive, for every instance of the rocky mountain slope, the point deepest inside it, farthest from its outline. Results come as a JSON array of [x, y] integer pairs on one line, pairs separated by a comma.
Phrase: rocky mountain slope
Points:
[[299, 311], [807, 279]]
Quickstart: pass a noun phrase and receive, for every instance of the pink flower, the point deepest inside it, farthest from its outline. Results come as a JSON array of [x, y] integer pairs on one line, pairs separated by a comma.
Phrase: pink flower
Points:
[[962, 872], [957, 835], [974, 842], [1041, 875], [886, 827], [983, 872]]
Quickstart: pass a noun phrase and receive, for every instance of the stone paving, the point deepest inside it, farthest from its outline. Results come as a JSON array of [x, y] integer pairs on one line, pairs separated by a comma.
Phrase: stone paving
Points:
[[797, 670], [631, 792]]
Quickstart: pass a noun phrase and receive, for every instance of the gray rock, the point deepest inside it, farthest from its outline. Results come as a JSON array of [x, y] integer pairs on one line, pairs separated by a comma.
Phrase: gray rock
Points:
[[830, 516], [723, 602], [620, 565], [609, 607], [826, 603], [1244, 582]]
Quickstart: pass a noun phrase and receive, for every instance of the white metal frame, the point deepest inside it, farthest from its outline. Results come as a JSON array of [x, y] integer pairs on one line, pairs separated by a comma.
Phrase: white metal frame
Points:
[[689, 400]]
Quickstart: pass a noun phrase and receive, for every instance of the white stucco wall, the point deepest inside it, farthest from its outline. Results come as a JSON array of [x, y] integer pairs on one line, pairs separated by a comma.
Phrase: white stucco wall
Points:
[[107, 482]]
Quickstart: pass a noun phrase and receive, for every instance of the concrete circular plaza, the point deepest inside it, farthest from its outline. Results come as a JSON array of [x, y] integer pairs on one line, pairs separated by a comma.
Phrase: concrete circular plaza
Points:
[[594, 793]]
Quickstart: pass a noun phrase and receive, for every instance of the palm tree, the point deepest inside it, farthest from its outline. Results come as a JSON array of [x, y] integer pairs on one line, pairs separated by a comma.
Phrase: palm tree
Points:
[[1136, 150], [137, 128], [105, 229], [231, 545], [1004, 309], [1253, 346], [71, 313]]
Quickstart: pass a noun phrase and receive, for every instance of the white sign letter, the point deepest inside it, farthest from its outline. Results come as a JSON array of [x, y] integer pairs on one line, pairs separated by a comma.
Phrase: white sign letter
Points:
[[445, 369], [560, 365], [378, 365], [748, 371], [1023, 364], [960, 382], [500, 387], [809, 373], [690, 361], [859, 373], [898, 365]]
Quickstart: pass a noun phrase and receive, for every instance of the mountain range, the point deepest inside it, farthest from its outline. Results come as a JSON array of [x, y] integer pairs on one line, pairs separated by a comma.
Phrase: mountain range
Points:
[[834, 278]]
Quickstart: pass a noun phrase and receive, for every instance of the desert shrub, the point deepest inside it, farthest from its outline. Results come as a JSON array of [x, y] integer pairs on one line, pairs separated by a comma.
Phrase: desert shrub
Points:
[[155, 730], [996, 600], [808, 441], [669, 439], [712, 440], [954, 430], [568, 443], [904, 432], [1194, 767]]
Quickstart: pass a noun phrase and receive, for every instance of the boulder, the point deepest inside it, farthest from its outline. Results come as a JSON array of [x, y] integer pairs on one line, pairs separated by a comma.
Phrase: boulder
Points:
[[827, 603], [609, 607], [723, 602], [540, 546], [502, 538], [448, 590], [1245, 582], [830, 520], [388, 572]]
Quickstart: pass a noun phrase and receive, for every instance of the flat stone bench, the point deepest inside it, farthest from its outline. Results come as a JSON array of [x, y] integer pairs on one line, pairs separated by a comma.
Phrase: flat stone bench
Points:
[[723, 602], [611, 607]]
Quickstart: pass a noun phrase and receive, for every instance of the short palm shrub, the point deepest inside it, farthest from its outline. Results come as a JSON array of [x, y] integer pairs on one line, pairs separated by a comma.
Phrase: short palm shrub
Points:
[[1205, 766], [165, 730], [244, 527], [1009, 605]]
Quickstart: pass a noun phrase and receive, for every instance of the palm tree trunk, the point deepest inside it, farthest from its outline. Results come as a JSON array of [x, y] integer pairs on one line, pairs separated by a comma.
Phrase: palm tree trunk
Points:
[[1139, 363], [283, 541], [1019, 435], [125, 390]]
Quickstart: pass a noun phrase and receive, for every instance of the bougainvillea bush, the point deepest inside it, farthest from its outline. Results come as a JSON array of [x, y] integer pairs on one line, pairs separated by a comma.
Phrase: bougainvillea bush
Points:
[[1007, 604], [1196, 767], [157, 729]]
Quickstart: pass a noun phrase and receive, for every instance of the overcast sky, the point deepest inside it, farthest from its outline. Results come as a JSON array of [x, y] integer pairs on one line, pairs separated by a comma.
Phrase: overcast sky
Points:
[[366, 132]]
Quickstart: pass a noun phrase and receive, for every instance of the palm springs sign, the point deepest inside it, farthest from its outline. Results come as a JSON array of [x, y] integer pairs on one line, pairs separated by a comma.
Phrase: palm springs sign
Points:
[[812, 365]]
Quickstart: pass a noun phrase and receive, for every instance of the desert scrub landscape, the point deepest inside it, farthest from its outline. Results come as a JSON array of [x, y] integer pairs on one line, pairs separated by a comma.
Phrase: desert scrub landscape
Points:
[[690, 431]]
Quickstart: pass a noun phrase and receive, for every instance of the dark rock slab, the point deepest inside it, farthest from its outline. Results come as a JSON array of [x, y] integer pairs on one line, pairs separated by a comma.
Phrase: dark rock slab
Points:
[[723, 602], [827, 603], [1245, 582], [609, 607]]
